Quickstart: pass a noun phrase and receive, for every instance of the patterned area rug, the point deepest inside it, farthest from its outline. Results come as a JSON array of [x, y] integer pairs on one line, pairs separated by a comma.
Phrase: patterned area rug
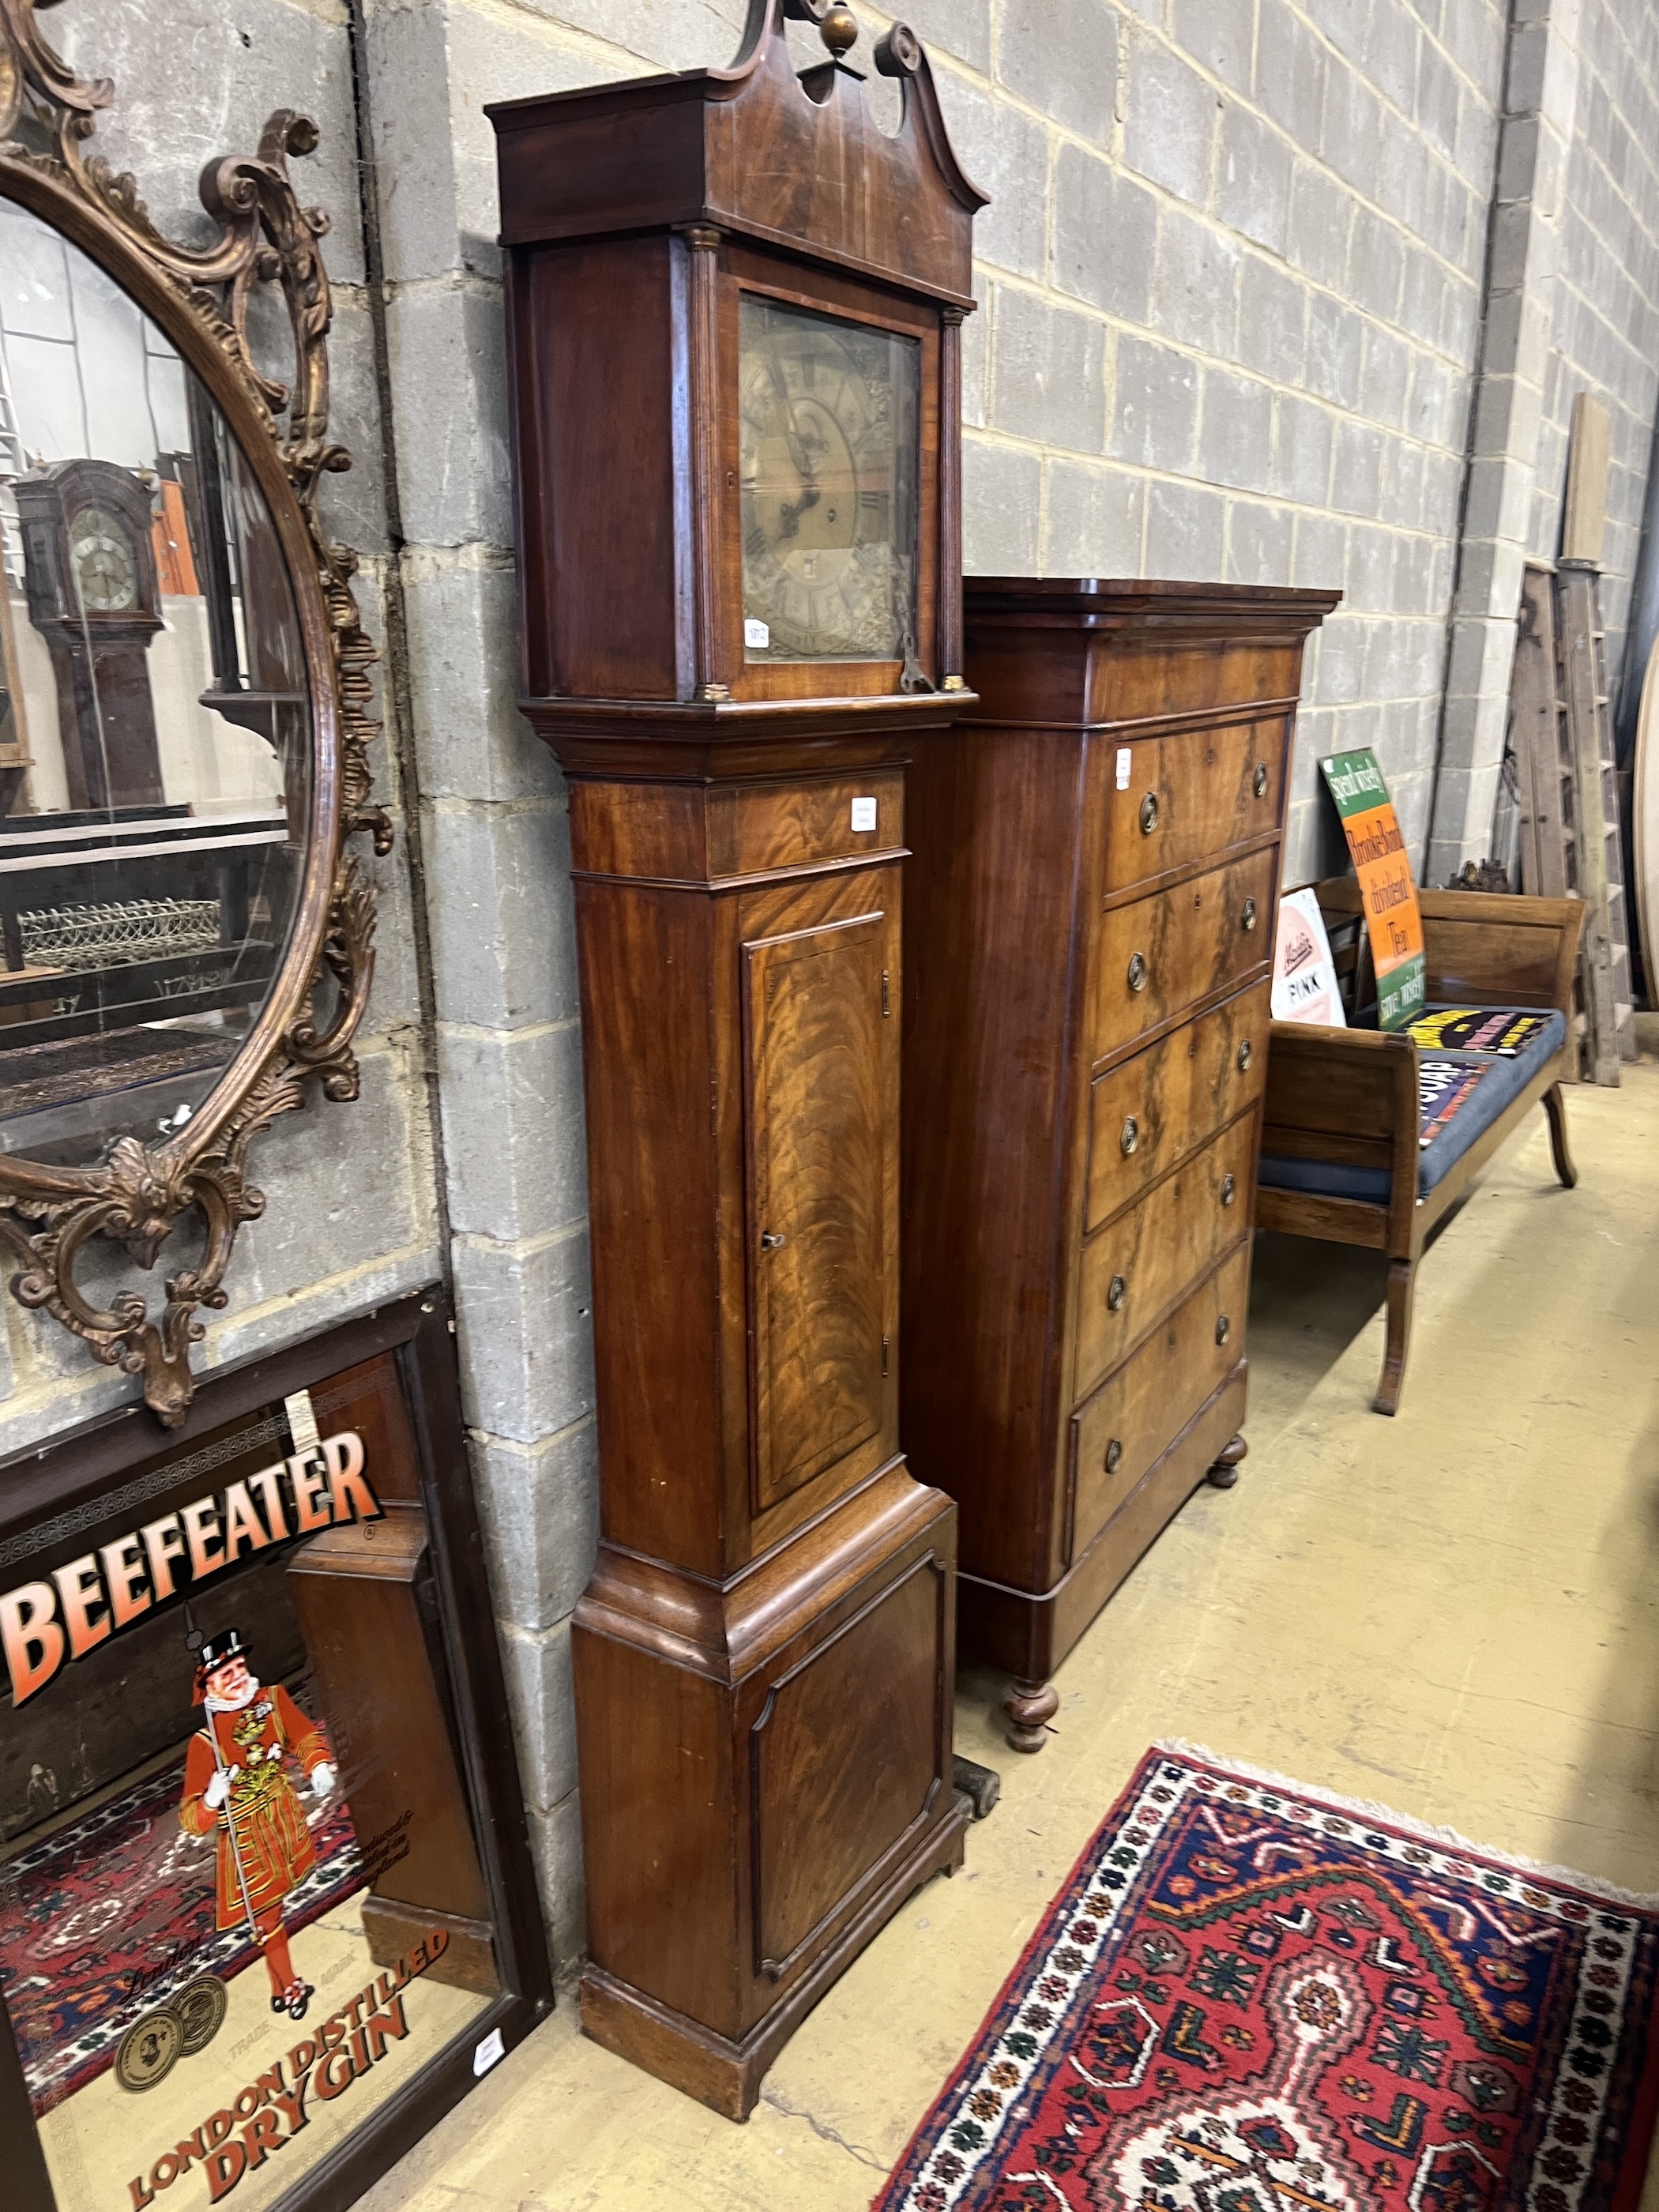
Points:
[[1251, 1997], [114, 1913]]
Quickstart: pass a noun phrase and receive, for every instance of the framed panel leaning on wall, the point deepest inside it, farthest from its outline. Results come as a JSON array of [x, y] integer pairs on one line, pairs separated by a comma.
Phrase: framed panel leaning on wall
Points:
[[266, 1903]]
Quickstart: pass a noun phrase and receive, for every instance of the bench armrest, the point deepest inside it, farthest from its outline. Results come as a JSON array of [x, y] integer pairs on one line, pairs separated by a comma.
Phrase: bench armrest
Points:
[[1348, 1096]]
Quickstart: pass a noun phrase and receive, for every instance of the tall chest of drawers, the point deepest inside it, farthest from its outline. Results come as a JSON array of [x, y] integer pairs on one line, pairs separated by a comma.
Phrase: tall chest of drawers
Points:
[[1089, 910]]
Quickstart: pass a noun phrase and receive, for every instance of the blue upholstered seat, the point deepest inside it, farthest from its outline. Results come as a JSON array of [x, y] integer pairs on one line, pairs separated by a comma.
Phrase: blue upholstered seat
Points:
[[1504, 1080]]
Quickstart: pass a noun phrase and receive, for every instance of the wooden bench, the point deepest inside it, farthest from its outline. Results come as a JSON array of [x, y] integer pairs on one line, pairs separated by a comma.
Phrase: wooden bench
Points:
[[1342, 1114]]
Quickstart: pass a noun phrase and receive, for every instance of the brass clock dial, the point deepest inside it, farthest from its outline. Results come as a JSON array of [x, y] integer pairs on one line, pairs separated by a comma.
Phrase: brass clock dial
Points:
[[106, 572], [829, 454]]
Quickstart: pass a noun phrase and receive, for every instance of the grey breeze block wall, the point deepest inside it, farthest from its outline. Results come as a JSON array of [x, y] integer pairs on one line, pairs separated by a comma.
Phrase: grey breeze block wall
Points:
[[1232, 286]]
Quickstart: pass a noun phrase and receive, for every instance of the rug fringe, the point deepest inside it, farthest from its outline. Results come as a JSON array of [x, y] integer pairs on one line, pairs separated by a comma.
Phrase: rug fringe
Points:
[[1371, 1808]]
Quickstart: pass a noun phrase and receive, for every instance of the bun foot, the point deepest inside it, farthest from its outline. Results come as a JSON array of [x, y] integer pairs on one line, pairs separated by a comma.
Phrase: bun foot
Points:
[[1224, 1474], [1030, 1707]]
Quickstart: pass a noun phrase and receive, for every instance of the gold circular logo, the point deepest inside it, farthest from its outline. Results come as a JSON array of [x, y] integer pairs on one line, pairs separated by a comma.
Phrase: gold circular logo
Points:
[[201, 2008], [149, 2050]]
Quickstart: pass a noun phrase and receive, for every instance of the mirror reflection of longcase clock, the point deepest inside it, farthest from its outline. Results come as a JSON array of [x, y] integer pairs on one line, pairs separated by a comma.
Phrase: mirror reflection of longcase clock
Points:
[[90, 568], [737, 385]]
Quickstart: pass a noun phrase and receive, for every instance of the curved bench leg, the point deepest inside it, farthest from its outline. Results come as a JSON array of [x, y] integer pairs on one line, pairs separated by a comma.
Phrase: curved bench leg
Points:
[[1402, 1281], [1556, 1107]]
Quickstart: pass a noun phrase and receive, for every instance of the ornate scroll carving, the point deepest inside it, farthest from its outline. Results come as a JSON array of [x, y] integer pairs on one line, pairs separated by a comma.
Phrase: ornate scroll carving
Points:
[[135, 1195]]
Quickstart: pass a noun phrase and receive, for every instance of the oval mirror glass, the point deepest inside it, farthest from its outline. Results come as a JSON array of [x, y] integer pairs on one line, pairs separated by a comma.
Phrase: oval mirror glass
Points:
[[155, 721]]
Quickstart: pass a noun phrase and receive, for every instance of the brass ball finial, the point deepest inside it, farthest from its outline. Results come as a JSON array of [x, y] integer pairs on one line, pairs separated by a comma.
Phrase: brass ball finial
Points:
[[841, 31]]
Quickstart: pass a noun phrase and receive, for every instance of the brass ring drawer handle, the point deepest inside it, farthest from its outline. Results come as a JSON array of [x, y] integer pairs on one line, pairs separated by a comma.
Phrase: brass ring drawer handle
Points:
[[1261, 779], [1116, 1291], [1131, 1136], [1138, 971], [1228, 1190], [1248, 916], [1114, 1455], [1149, 814], [771, 1244], [1223, 1329], [1246, 1054]]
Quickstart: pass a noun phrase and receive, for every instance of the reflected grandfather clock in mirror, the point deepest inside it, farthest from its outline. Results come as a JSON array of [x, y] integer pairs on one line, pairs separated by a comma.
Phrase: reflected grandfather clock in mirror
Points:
[[735, 307], [89, 570]]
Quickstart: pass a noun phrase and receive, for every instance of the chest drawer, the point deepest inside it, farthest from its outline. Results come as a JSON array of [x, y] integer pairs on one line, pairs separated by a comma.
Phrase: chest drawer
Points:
[[1135, 1418], [1141, 1263], [1148, 1113], [1160, 955], [1170, 801]]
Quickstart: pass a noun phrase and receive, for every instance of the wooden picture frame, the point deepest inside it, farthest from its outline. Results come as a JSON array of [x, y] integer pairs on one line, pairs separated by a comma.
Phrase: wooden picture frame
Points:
[[137, 1192], [44, 1493]]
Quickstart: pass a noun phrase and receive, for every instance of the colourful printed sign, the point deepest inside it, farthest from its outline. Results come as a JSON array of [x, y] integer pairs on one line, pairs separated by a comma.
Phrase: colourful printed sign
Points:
[[1506, 1031], [1304, 977], [1378, 852]]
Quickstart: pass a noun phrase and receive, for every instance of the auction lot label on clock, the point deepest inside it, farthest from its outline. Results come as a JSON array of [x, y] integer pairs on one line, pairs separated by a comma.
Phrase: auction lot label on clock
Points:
[[1378, 852], [241, 1903]]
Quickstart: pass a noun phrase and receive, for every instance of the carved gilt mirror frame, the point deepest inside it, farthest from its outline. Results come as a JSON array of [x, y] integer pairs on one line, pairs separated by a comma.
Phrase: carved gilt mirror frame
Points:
[[137, 1192]]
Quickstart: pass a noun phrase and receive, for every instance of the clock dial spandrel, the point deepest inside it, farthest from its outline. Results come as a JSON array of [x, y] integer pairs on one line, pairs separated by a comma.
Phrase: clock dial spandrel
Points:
[[829, 412]]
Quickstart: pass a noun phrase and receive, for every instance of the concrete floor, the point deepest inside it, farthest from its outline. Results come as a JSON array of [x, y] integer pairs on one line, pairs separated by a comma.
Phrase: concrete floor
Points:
[[1455, 1612]]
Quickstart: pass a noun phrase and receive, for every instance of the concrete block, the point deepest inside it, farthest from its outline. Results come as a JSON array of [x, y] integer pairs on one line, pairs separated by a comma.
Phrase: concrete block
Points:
[[1356, 484], [514, 1131], [1185, 528], [1402, 484], [1154, 407], [1385, 371], [1335, 337], [1353, 128], [1007, 155], [525, 1317], [1302, 440], [1289, 73], [1321, 562], [1376, 265], [1195, 288], [1399, 187], [1095, 518], [1436, 101], [446, 344], [1422, 303], [1061, 56], [1391, 53], [503, 929], [540, 1507], [1235, 434], [1272, 321], [542, 1702], [471, 741], [1346, 23], [1369, 581], [1429, 403], [1220, 35], [352, 502], [1259, 543], [1341, 659], [670, 37], [1253, 179], [1001, 501], [961, 27], [1048, 373], [1322, 217], [1105, 236], [1170, 128], [555, 1845], [976, 355], [1529, 47]]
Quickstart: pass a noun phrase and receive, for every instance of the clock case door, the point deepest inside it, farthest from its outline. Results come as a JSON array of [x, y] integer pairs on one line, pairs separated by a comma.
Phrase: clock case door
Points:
[[644, 334]]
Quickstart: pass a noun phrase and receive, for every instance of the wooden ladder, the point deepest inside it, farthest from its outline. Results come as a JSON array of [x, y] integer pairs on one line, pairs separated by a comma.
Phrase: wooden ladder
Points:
[[1610, 1000]]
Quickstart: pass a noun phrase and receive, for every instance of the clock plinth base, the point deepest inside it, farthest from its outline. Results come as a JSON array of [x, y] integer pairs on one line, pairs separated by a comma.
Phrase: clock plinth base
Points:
[[727, 2076], [766, 1774]]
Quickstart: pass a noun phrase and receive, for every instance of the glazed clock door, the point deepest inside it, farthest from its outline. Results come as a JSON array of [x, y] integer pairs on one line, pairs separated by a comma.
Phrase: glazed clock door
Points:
[[818, 1031]]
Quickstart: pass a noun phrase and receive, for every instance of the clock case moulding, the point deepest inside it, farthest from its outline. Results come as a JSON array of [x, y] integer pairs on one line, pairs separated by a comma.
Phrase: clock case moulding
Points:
[[764, 1657], [135, 1194]]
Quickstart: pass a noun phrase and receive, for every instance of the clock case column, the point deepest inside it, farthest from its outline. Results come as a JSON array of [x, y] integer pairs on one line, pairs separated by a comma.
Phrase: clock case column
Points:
[[764, 1658]]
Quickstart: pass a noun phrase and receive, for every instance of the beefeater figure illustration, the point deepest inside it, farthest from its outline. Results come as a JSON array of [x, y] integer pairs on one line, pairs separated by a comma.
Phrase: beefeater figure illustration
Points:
[[236, 1780]]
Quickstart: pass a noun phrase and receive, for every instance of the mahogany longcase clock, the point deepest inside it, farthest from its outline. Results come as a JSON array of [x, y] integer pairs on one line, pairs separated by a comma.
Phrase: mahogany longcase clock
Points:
[[735, 311]]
